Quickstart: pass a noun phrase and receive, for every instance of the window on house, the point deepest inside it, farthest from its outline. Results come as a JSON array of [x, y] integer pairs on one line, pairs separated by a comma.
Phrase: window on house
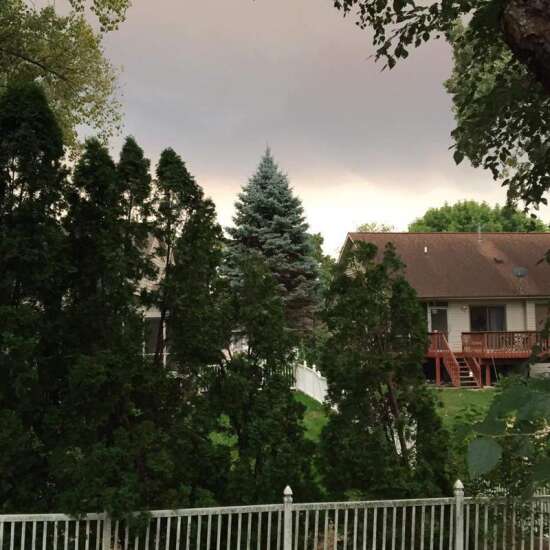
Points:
[[152, 325], [438, 319], [487, 318]]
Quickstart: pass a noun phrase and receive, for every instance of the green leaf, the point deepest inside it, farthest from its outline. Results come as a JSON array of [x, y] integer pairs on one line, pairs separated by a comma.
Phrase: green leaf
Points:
[[490, 426], [483, 456], [458, 156]]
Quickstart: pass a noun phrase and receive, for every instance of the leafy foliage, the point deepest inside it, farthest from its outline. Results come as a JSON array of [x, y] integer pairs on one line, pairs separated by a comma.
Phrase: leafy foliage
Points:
[[501, 108], [375, 227], [110, 13], [66, 56], [511, 449], [381, 408], [472, 216], [502, 115]]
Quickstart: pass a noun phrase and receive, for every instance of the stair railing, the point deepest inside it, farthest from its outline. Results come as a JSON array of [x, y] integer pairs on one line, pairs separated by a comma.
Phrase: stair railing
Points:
[[475, 368], [449, 362]]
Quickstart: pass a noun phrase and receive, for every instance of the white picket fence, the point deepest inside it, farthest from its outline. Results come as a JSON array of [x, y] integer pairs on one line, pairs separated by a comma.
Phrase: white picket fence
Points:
[[454, 523], [311, 382]]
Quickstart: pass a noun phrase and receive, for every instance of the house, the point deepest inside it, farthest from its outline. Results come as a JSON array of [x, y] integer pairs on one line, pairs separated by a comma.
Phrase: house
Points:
[[487, 298]]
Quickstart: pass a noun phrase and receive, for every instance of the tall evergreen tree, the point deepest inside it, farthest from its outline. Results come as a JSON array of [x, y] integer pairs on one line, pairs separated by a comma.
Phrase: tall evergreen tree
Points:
[[177, 194], [32, 181], [129, 439], [384, 438], [270, 221], [252, 398]]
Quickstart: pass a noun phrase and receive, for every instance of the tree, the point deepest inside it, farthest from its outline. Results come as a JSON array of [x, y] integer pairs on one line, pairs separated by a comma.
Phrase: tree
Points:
[[500, 83], [66, 56], [196, 324], [383, 437], [32, 183], [375, 227], [522, 26], [252, 397], [502, 116], [473, 216], [269, 219], [110, 13], [177, 196], [510, 449]]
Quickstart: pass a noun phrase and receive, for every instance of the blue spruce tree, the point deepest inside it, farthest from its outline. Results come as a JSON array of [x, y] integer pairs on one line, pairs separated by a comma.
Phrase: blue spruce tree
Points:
[[270, 222]]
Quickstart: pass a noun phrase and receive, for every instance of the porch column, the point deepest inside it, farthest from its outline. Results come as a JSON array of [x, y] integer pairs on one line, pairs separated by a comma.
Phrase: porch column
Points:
[[438, 371], [487, 374]]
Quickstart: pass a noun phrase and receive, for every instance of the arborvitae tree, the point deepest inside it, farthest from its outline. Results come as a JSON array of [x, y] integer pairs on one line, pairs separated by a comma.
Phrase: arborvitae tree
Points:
[[128, 438], [384, 437], [251, 395], [32, 180], [134, 177], [177, 197], [137, 206], [86, 423], [196, 328], [270, 220]]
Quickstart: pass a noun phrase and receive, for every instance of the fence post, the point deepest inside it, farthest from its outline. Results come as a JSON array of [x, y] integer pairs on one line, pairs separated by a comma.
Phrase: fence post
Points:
[[459, 515], [106, 542], [287, 525]]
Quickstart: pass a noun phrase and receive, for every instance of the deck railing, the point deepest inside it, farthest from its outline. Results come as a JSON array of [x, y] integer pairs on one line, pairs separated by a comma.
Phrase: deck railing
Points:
[[437, 341], [451, 523], [518, 343]]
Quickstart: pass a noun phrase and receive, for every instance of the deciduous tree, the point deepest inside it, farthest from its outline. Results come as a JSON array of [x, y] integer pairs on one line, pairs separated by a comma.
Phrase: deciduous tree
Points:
[[66, 56], [473, 216]]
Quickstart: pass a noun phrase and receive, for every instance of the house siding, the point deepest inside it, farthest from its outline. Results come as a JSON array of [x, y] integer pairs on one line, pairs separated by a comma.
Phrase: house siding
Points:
[[530, 317]]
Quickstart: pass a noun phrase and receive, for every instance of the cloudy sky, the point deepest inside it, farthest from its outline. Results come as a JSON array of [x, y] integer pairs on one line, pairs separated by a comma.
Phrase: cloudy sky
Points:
[[217, 80]]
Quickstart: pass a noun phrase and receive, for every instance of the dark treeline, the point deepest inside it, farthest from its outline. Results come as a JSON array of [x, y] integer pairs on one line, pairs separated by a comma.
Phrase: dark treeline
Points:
[[144, 357]]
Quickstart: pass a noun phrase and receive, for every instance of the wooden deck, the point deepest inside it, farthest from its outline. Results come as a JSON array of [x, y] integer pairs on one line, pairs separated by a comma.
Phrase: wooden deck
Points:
[[493, 345]]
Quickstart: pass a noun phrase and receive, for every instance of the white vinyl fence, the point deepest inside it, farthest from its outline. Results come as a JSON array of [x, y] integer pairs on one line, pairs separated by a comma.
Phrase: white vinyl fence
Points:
[[311, 382], [454, 523]]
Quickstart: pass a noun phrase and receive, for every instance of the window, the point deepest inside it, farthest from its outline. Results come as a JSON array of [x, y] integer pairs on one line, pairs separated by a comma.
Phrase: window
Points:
[[487, 318], [438, 319], [151, 334]]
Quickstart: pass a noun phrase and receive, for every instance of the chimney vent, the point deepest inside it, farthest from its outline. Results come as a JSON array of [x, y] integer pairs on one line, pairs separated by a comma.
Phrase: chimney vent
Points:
[[425, 249]]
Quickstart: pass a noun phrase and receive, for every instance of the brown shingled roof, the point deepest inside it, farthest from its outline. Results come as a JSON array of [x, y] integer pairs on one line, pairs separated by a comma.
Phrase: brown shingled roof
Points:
[[460, 265]]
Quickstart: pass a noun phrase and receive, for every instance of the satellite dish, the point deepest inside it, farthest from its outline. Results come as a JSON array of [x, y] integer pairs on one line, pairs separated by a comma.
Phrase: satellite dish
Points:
[[520, 272]]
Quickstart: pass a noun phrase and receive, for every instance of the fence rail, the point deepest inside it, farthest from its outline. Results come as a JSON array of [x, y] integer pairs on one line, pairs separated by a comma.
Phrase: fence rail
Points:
[[454, 523]]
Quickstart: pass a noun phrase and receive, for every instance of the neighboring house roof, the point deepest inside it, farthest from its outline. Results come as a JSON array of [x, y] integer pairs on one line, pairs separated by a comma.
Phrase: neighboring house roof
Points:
[[469, 265]]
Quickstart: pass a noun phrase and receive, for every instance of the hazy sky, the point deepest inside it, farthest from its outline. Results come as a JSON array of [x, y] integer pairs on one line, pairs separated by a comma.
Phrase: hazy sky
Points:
[[219, 79]]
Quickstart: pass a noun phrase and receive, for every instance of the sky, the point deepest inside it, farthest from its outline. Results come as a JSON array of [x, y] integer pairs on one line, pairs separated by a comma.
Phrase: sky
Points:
[[218, 80]]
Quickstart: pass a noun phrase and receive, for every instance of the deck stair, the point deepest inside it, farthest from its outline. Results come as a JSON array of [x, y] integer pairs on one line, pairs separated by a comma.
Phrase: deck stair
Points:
[[466, 373]]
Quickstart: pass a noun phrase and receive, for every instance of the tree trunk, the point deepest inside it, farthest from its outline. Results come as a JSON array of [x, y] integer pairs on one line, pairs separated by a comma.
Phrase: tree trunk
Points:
[[526, 29], [397, 415]]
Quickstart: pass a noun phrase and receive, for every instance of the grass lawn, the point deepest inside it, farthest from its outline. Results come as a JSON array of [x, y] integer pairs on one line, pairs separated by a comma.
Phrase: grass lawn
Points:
[[315, 416], [453, 401]]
